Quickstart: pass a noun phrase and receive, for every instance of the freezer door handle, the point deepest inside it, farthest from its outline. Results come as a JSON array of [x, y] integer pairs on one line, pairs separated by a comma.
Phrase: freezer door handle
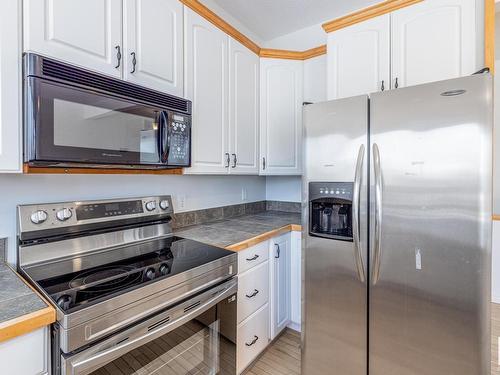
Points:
[[377, 251], [358, 257]]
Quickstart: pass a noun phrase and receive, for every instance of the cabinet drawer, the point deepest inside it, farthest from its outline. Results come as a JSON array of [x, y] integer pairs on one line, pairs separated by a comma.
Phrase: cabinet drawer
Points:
[[253, 337], [253, 256], [253, 290]]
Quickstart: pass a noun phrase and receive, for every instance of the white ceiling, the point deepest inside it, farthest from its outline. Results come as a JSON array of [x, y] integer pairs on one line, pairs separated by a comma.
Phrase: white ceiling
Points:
[[269, 19]]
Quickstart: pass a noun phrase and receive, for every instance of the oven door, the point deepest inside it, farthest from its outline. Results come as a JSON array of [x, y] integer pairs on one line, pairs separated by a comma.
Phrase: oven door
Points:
[[65, 124], [197, 336]]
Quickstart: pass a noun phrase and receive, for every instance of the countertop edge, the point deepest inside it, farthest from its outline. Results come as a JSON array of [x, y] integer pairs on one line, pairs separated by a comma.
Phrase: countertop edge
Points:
[[243, 245], [29, 322]]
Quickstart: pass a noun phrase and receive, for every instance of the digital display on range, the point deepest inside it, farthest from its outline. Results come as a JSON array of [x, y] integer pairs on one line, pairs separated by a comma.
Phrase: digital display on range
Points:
[[100, 210]]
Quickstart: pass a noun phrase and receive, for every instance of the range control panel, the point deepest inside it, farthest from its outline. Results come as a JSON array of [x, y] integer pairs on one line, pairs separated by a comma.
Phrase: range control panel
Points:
[[180, 140], [38, 217]]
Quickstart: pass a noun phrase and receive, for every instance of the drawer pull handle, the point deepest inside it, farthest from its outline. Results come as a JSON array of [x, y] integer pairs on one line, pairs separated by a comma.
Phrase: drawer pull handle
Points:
[[255, 292], [255, 257], [255, 338]]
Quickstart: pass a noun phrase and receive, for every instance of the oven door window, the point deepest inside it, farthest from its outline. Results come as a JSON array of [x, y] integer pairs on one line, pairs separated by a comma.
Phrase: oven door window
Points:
[[193, 348], [204, 345], [73, 125]]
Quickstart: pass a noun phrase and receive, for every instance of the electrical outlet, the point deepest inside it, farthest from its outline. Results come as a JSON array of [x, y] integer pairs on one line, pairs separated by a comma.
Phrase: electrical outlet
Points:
[[244, 195], [181, 202]]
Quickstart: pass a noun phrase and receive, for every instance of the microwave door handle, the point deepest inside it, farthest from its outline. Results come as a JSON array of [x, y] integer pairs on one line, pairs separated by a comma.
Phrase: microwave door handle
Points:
[[358, 257], [164, 138], [377, 252]]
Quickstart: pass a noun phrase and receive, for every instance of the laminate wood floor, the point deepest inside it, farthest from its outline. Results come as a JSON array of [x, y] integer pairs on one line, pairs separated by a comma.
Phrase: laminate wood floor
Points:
[[282, 357]]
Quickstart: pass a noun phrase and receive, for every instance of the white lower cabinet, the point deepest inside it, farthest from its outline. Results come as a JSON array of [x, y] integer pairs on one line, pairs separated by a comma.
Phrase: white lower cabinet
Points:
[[253, 290], [252, 337], [269, 294], [280, 254], [296, 281], [27, 354]]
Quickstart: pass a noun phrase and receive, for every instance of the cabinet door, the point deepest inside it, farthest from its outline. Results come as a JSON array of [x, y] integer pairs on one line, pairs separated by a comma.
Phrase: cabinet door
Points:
[[153, 44], [10, 86], [27, 354], [281, 117], [358, 58], [244, 109], [432, 41], [207, 72], [81, 32], [280, 283], [296, 281]]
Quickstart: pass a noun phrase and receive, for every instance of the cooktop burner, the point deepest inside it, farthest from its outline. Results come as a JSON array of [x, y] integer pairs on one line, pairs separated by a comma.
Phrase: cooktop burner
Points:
[[93, 278]]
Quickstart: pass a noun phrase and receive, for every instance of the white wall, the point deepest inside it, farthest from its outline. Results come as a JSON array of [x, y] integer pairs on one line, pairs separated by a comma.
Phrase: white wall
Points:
[[283, 188], [197, 192]]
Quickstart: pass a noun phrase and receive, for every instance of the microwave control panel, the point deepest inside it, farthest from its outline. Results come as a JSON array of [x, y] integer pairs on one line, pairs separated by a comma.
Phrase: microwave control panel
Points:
[[180, 140]]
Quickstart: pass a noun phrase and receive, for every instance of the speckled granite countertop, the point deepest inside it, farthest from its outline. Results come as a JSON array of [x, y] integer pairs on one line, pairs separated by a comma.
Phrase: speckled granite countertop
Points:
[[19, 305], [225, 233]]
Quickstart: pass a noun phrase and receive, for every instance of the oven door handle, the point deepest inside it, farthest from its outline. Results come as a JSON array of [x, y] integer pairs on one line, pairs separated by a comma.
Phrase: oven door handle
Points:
[[94, 358]]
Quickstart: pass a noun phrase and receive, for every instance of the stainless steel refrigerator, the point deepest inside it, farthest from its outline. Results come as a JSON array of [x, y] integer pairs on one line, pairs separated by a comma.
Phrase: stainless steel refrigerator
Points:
[[397, 194]]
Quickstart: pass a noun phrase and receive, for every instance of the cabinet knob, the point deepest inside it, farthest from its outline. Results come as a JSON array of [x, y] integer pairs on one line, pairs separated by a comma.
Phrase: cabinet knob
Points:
[[396, 83], [235, 160], [134, 62], [228, 160], [278, 251], [382, 88]]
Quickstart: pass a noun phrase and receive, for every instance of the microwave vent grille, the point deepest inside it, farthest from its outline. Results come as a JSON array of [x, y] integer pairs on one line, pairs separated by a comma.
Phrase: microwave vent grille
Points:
[[96, 81]]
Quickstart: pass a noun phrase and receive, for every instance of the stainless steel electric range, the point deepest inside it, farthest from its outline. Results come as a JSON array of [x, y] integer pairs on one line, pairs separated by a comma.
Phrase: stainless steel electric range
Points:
[[131, 298]]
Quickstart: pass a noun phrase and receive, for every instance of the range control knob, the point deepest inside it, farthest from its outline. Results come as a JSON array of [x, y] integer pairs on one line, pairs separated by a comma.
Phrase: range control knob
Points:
[[151, 205], [150, 274], [38, 217], [164, 204], [164, 269], [64, 302], [64, 214]]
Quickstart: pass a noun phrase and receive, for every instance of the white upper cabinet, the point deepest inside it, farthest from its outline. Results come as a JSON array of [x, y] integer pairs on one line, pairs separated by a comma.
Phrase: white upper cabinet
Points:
[[244, 109], [153, 43], [82, 32], [206, 84], [358, 58], [10, 86], [281, 95], [433, 40]]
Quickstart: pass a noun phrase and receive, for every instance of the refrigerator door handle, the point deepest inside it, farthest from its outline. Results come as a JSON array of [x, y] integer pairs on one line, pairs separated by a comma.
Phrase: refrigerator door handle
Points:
[[355, 214], [378, 215]]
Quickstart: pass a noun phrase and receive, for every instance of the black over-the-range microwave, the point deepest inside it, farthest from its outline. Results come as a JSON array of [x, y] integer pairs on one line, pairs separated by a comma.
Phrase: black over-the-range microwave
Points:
[[75, 117]]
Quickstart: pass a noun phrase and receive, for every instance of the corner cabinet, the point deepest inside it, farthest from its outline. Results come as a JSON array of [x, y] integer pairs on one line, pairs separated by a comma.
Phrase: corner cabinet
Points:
[[429, 41], [281, 96], [10, 87], [81, 32], [222, 80]]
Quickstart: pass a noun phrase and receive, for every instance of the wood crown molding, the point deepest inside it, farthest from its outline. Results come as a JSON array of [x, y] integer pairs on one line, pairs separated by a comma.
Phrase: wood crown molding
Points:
[[292, 55], [58, 170], [206, 13], [367, 13], [496, 217], [489, 35], [210, 16]]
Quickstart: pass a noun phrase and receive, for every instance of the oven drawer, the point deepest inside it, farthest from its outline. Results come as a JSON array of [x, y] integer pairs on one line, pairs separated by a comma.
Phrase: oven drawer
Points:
[[253, 290], [253, 256], [253, 337]]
